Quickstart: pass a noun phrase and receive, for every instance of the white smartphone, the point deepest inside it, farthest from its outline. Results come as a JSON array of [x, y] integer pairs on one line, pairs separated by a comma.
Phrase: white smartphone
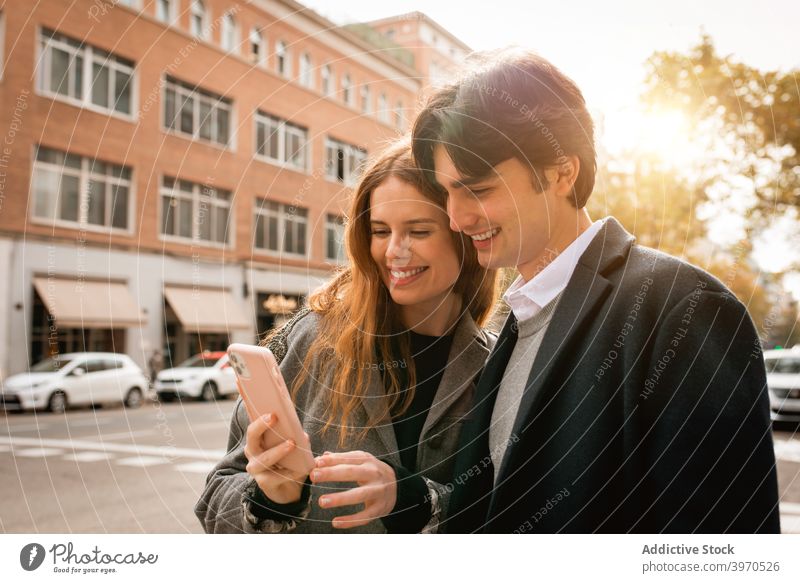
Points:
[[263, 391]]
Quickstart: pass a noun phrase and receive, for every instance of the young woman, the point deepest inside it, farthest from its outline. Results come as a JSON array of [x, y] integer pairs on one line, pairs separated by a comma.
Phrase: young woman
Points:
[[382, 366]]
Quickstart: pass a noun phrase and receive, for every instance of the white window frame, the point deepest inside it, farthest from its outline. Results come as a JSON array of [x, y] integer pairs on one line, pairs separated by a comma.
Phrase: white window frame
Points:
[[229, 33], [353, 157], [335, 223], [284, 129], [383, 108], [347, 90], [282, 52], [399, 116], [84, 175], [256, 34], [197, 9], [327, 81], [283, 214], [171, 12], [198, 95], [89, 56], [306, 73], [197, 197], [366, 99]]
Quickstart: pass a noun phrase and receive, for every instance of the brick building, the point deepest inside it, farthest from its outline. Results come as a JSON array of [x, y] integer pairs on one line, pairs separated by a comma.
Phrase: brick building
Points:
[[173, 173]]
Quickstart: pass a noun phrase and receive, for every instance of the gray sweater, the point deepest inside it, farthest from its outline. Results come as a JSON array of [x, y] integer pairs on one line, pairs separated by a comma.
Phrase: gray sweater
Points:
[[529, 338]]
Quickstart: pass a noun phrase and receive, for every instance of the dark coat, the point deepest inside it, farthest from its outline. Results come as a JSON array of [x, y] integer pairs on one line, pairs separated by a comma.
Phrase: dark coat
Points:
[[646, 410]]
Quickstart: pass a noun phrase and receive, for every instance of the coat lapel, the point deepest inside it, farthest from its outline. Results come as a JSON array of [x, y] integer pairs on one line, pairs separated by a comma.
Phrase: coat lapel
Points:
[[467, 358], [586, 289]]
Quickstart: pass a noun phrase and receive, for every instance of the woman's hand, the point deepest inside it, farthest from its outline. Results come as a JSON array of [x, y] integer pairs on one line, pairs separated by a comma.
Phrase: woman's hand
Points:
[[279, 484], [377, 485]]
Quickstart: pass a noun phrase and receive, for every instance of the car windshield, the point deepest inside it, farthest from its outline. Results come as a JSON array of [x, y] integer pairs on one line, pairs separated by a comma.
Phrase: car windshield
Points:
[[201, 361], [50, 365]]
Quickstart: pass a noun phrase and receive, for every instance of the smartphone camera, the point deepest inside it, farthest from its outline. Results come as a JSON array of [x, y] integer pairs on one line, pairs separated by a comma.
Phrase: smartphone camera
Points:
[[238, 365]]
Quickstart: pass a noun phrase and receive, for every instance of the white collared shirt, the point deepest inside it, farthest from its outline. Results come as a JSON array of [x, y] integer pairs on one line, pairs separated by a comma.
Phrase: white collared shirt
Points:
[[527, 298]]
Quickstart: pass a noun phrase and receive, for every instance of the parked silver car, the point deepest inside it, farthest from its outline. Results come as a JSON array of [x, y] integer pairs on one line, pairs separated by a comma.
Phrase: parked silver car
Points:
[[783, 382], [78, 378]]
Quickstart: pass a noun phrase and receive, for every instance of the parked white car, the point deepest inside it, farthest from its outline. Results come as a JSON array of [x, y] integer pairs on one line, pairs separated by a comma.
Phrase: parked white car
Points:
[[206, 376], [77, 378], [783, 382]]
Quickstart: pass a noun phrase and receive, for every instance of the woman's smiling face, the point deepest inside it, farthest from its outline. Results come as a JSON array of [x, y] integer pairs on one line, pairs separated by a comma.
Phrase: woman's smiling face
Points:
[[413, 247]]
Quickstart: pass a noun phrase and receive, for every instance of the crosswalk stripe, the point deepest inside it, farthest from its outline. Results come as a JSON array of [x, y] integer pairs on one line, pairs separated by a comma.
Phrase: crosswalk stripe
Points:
[[88, 456], [152, 450], [37, 452], [142, 461]]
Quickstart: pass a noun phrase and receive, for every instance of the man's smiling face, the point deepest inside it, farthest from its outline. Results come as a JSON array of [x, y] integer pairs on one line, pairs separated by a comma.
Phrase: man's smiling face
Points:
[[509, 222]]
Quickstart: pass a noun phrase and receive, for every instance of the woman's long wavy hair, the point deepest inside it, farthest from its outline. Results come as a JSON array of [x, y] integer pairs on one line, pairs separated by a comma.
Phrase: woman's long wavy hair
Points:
[[360, 324]]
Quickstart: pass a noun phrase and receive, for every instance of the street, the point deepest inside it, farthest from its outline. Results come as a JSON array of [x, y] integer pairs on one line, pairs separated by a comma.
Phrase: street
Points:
[[117, 470]]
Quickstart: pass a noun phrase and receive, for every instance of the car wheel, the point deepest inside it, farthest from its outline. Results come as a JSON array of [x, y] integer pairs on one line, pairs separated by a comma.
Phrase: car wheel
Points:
[[209, 392], [57, 402], [133, 399]]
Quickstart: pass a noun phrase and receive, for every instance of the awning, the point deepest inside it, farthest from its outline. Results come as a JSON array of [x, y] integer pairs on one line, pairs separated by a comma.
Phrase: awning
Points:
[[89, 304], [206, 310]]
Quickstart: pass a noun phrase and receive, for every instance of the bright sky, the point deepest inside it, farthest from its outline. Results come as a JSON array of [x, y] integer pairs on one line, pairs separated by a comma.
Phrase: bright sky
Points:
[[603, 45]]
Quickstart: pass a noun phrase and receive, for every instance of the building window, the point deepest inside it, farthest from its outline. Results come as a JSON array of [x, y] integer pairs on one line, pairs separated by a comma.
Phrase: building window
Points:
[[165, 11], [383, 108], [328, 81], [347, 90], [366, 106], [195, 212], [196, 113], [399, 116], [280, 141], [81, 191], [85, 75], [283, 62], [343, 162], [281, 228], [197, 20], [306, 73], [256, 46], [230, 33], [334, 238]]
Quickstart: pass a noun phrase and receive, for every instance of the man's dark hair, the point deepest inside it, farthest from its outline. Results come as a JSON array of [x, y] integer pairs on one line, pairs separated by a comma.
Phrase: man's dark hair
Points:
[[510, 105]]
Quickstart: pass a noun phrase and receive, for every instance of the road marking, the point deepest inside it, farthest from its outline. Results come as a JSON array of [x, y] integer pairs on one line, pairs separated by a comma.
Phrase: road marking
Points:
[[196, 467], [5, 448], [142, 461], [37, 452], [88, 456], [153, 450]]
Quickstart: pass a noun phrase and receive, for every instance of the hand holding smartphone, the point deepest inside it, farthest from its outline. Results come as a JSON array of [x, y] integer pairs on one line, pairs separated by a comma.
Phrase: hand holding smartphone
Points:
[[263, 392]]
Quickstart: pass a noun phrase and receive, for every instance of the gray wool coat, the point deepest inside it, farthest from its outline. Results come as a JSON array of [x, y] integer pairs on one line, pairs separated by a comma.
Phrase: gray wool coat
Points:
[[223, 506]]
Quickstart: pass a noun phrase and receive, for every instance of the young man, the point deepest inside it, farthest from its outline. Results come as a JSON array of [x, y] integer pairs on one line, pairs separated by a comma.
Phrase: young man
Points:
[[627, 391]]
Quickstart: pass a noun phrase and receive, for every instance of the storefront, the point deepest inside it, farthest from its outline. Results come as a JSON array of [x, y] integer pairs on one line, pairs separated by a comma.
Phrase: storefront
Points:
[[198, 319], [274, 309], [78, 315]]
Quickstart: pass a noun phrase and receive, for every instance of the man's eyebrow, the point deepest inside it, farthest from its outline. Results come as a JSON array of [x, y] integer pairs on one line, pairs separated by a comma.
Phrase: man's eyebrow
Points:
[[468, 182]]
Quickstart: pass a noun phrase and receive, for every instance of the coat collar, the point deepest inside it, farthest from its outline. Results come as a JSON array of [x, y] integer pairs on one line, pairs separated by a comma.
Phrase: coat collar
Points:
[[468, 353]]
